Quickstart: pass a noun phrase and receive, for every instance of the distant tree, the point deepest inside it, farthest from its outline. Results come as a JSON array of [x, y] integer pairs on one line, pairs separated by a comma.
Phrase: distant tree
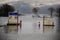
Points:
[[51, 10], [58, 12], [35, 11], [5, 8]]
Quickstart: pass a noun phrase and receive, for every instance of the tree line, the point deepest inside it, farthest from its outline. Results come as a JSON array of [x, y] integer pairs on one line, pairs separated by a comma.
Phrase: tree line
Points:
[[4, 9], [51, 10]]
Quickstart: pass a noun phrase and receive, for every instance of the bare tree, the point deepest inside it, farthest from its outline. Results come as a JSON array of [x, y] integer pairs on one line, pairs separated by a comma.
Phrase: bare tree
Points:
[[58, 12], [51, 10], [35, 11]]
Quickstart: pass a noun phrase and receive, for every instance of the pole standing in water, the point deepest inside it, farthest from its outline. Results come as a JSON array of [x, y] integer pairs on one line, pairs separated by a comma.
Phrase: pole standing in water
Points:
[[39, 25], [20, 24]]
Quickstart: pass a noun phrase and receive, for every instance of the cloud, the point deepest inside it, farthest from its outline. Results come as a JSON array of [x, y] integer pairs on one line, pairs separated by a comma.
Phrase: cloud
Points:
[[6, 1], [26, 8], [41, 1]]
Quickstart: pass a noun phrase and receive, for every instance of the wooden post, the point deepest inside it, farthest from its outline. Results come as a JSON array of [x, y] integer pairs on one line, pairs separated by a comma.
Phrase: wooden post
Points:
[[43, 23]]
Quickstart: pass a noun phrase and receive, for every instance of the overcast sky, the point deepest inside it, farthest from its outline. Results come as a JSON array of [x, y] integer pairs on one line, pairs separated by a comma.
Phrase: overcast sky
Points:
[[24, 5], [4, 1]]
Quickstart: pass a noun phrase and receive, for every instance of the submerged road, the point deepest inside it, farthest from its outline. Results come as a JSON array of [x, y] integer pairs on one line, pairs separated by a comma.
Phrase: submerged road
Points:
[[33, 36]]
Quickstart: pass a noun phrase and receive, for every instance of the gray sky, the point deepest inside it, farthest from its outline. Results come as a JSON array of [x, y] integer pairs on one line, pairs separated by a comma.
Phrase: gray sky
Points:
[[24, 6], [41, 0], [5, 1]]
